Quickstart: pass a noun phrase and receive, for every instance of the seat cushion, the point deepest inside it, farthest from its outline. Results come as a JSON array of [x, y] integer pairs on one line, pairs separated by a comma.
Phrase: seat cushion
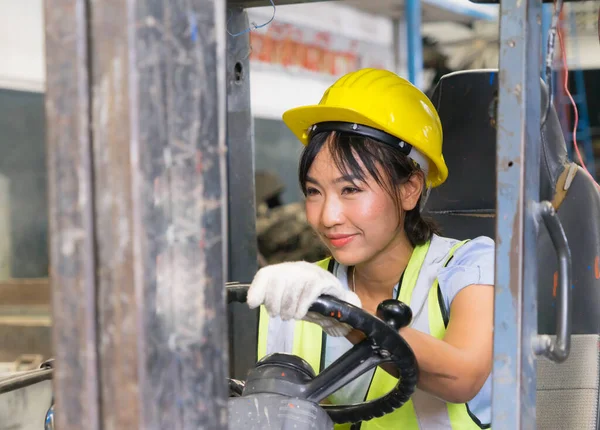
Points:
[[567, 393]]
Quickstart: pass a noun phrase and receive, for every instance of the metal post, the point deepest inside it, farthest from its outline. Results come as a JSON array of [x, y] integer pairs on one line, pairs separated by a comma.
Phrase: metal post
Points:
[[547, 9], [518, 164], [415, 44], [399, 46], [71, 216], [243, 254], [136, 141]]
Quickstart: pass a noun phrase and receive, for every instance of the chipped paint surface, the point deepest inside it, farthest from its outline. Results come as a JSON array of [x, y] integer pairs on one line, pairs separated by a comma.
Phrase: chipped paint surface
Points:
[[518, 154], [71, 215], [178, 207]]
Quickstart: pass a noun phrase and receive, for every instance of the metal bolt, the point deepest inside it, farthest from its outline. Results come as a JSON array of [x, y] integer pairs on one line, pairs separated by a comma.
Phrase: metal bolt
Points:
[[384, 353]]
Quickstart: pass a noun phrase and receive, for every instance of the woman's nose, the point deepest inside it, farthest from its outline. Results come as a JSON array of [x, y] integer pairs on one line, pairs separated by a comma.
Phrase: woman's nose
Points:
[[332, 212]]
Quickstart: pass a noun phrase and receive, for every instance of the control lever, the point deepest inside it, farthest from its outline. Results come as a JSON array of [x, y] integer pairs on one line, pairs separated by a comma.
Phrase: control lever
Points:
[[395, 313]]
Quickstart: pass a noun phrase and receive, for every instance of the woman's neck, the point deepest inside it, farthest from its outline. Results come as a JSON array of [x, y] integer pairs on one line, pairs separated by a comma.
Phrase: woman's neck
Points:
[[376, 278]]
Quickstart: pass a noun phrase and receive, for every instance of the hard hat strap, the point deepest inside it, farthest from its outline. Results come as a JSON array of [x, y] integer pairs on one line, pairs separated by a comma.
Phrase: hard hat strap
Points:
[[375, 134], [362, 130]]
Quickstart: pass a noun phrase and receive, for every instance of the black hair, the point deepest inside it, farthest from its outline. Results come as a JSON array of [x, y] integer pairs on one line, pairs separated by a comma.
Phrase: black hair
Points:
[[346, 149]]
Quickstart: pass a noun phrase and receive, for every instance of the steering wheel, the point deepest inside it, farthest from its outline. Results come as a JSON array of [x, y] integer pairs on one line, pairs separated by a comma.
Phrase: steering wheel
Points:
[[383, 344]]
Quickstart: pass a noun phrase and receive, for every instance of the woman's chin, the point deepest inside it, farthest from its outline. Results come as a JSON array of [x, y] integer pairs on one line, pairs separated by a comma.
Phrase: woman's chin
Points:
[[345, 257]]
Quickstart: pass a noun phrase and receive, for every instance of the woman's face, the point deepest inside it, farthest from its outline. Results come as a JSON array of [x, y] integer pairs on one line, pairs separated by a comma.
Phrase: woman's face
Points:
[[356, 220]]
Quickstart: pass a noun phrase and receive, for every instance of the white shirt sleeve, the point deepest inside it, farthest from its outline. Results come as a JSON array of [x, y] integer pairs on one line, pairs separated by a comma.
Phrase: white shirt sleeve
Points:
[[472, 263]]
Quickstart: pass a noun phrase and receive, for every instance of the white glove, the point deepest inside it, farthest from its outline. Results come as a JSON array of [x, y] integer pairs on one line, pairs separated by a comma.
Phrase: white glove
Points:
[[288, 289]]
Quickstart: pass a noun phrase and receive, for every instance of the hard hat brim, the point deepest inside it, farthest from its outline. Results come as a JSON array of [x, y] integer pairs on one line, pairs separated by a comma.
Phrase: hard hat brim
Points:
[[300, 119]]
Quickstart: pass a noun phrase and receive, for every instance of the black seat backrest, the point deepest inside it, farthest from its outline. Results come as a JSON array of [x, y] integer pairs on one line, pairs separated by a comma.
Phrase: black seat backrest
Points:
[[465, 205]]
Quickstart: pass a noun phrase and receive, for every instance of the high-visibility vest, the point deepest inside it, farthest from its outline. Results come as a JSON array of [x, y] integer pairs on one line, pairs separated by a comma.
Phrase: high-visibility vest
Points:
[[307, 343]]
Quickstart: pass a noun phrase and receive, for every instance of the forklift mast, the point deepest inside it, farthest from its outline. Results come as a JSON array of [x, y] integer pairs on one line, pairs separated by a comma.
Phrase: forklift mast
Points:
[[151, 178]]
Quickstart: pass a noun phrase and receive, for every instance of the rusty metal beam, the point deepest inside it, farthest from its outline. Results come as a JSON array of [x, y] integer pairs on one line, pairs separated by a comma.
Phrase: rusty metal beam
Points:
[[71, 216], [117, 307], [136, 116], [518, 173]]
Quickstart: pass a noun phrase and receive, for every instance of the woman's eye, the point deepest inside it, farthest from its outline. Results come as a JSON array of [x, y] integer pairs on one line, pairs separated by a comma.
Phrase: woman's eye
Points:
[[350, 190], [311, 191]]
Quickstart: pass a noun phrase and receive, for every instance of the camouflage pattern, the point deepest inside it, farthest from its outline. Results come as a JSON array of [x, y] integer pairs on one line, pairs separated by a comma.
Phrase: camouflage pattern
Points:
[[285, 235]]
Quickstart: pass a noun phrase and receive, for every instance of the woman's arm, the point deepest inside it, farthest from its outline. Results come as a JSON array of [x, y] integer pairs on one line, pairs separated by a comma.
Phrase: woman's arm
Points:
[[455, 368]]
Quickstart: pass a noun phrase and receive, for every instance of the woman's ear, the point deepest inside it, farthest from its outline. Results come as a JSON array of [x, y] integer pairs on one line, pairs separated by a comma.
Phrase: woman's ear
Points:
[[410, 191]]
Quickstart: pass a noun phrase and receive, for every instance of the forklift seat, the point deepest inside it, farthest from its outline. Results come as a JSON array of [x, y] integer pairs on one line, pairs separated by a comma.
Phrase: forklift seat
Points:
[[465, 207]]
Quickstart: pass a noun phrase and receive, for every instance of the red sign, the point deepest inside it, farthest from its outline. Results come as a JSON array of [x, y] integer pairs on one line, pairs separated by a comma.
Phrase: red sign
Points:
[[291, 47]]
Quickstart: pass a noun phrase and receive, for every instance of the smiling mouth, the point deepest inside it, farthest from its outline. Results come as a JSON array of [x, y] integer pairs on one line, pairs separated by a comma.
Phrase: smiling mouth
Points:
[[340, 241]]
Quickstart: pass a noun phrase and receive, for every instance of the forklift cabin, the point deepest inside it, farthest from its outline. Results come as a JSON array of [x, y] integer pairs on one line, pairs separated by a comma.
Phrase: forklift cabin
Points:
[[152, 213]]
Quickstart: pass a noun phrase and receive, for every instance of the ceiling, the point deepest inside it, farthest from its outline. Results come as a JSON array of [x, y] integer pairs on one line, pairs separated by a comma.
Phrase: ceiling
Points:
[[432, 10], [255, 3], [395, 9]]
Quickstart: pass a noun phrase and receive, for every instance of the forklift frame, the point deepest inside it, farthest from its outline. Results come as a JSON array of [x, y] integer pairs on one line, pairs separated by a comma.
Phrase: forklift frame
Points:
[[152, 209]]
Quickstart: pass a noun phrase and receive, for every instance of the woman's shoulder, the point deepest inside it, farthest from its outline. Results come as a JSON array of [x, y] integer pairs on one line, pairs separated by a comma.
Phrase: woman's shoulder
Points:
[[471, 263], [480, 247]]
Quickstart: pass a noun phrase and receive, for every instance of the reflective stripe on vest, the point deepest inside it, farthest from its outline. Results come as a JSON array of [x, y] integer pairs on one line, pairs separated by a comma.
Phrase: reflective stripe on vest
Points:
[[308, 345]]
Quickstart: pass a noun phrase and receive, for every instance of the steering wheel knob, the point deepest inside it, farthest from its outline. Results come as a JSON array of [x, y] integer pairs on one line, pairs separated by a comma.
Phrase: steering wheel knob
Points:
[[395, 313]]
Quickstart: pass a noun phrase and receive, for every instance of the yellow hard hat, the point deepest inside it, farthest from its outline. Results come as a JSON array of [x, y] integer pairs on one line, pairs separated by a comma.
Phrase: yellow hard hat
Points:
[[381, 105]]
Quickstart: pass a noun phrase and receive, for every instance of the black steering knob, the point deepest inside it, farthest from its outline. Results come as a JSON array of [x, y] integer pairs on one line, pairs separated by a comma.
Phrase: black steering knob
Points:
[[395, 313]]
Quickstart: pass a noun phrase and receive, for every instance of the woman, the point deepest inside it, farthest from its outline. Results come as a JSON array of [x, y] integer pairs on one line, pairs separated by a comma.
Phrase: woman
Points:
[[373, 150]]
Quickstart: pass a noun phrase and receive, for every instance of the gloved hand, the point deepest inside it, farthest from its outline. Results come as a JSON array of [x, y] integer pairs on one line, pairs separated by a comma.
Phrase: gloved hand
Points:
[[288, 289]]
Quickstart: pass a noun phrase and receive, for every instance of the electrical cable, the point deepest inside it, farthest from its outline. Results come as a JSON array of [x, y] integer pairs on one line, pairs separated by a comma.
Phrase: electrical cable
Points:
[[573, 104], [558, 5], [253, 25]]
